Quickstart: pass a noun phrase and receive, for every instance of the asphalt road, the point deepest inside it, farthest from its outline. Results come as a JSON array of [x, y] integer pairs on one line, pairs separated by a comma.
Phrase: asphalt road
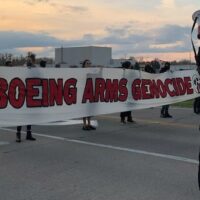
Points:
[[153, 159]]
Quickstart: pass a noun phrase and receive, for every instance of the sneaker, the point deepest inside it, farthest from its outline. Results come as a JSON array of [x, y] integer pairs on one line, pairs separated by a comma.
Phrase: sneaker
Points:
[[162, 116], [123, 121], [18, 140], [29, 136], [91, 127], [168, 116], [86, 128], [18, 137], [131, 121]]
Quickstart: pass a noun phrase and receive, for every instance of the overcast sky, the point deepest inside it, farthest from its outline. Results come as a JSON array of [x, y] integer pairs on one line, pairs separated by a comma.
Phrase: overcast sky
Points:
[[159, 28]]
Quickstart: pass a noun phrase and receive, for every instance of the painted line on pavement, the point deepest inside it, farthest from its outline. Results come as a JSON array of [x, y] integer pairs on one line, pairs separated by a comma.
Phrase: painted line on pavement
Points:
[[166, 156], [152, 122], [3, 143]]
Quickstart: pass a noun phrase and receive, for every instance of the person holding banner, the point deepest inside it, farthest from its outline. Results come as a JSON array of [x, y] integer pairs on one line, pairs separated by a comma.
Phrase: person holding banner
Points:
[[149, 69], [87, 120], [31, 62], [43, 63], [8, 63], [123, 115], [164, 113]]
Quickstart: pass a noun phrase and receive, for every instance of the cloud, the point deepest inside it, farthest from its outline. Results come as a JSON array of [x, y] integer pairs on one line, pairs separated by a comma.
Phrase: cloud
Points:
[[70, 8], [42, 0], [165, 39], [169, 38], [11, 39], [32, 2], [61, 7], [171, 33], [167, 4]]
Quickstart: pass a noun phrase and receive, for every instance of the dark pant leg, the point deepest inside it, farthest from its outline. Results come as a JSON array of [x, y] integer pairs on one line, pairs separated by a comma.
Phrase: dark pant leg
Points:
[[28, 128], [18, 134], [29, 134], [129, 115], [162, 110], [19, 128], [123, 115], [166, 110]]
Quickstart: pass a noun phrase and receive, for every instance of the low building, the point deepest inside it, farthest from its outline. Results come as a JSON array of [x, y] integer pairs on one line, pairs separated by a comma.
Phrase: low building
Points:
[[74, 56]]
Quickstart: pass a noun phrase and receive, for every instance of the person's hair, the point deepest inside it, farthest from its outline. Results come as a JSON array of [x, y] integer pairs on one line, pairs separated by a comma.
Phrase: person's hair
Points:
[[8, 63], [29, 62], [31, 56], [147, 67], [126, 64], [43, 63], [167, 65], [84, 62]]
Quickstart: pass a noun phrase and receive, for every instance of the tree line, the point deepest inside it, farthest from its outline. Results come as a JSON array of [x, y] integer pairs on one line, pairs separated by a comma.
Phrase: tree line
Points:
[[20, 60]]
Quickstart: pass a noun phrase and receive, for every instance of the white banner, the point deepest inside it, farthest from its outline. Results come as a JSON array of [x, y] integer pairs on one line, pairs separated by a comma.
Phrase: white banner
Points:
[[42, 95]]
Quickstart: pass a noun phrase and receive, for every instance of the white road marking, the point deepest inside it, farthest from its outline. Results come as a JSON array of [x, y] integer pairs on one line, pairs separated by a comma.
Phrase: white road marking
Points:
[[137, 151], [3, 143], [152, 121]]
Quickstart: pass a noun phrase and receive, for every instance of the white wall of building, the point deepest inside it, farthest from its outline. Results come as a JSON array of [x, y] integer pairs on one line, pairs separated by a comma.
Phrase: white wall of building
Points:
[[73, 56]]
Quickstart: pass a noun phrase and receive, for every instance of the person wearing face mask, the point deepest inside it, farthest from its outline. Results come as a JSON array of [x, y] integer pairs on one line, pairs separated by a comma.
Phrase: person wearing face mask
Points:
[[127, 114], [164, 113], [87, 120], [31, 62]]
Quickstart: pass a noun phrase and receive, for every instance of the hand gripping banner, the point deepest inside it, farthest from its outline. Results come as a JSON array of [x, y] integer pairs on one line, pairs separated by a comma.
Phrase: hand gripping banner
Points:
[[38, 96]]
